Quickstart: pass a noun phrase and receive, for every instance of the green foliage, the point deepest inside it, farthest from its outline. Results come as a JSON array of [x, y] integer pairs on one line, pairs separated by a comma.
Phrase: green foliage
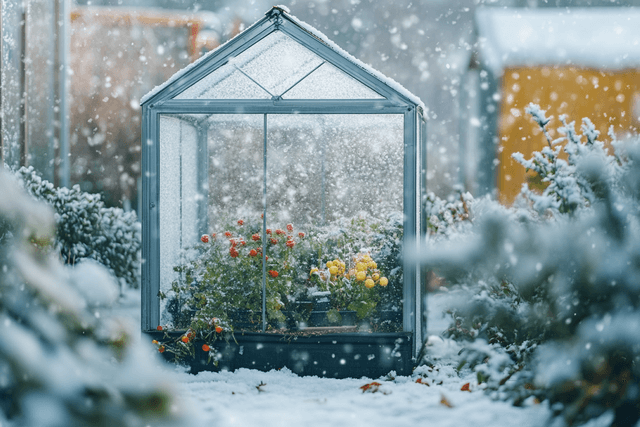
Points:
[[85, 228], [550, 306], [61, 363], [220, 284]]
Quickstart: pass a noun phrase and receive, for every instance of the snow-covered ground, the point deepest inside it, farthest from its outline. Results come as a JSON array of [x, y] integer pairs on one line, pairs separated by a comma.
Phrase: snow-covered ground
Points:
[[280, 398]]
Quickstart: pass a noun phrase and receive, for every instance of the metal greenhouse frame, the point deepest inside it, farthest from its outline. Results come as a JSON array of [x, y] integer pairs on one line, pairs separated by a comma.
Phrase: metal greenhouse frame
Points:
[[394, 100]]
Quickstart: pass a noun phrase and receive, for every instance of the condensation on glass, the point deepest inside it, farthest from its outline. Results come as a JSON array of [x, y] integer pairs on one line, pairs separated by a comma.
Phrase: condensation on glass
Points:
[[278, 66], [320, 170]]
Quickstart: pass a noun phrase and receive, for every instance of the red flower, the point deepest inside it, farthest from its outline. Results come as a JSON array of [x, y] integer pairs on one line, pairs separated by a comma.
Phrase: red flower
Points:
[[255, 237], [278, 231], [274, 241], [233, 252], [205, 238], [184, 338], [290, 227], [268, 231], [273, 273], [159, 328], [161, 349], [301, 235], [253, 252], [205, 347], [240, 222], [233, 242], [213, 235], [218, 329], [291, 243], [227, 233]]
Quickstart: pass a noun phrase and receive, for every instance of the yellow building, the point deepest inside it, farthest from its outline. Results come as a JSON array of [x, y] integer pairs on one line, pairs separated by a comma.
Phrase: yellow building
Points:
[[578, 62]]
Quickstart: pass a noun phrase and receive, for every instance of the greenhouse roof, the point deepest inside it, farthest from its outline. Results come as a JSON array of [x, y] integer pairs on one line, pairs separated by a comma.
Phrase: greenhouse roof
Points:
[[316, 36], [602, 38]]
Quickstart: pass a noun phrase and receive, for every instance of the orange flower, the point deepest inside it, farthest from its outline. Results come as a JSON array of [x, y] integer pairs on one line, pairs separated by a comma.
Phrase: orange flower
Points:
[[255, 237], [205, 238], [219, 329], [273, 273], [465, 387], [205, 347], [253, 252], [291, 243], [161, 349], [227, 233], [290, 227], [301, 235], [243, 243], [154, 342], [159, 328], [184, 338], [240, 222]]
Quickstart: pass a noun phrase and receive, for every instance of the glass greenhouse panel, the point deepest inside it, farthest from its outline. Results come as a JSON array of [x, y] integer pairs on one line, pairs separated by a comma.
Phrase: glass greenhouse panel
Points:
[[210, 207], [225, 83], [181, 194], [328, 82], [334, 212]]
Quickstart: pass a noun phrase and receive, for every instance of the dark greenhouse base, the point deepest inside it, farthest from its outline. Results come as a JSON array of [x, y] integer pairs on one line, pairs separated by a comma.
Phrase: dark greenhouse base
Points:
[[343, 355]]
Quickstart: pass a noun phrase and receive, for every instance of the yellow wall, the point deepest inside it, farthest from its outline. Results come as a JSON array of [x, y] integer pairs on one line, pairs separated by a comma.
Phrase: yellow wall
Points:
[[607, 98]]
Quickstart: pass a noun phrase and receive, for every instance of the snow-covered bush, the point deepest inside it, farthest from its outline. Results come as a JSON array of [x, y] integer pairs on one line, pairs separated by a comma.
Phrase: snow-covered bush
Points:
[[61, 362], [444, 217], [85, 228], [553, 302]]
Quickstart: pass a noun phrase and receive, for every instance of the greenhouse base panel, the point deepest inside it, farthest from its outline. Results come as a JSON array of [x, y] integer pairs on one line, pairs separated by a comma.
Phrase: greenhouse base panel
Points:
[[340, 355]]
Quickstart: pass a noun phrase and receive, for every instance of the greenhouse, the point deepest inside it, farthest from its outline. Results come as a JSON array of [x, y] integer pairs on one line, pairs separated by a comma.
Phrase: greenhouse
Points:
[[282, 188]]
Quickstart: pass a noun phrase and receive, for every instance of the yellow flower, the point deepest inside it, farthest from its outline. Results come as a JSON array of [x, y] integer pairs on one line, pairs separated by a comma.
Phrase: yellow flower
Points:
[[333, 270], [384, 281], [352, 272], [361, 266], [360, 276], [372, 264], [369, 283], [313, 270], [366, 258], [329, 264], [375, 276]]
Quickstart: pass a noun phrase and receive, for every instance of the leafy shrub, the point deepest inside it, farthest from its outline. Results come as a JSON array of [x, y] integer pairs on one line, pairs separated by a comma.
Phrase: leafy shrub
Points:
[[551, 304], [85, 228], [220, 289], [61, 364]]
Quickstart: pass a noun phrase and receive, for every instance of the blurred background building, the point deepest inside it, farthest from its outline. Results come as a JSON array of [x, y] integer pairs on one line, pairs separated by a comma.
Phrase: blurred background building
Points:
[[73, 73]]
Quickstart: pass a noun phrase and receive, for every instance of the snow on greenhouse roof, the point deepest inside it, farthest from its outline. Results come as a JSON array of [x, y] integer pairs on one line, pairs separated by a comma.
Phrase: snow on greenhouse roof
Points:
[[318, 36], [606, 38]]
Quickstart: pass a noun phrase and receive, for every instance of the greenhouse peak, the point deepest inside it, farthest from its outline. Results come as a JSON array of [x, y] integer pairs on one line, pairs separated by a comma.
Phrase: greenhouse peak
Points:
[[310, 63]]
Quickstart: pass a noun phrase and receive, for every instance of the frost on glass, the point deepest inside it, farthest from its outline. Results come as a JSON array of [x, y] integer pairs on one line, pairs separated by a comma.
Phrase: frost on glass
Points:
[[334, 202], [276, 63], [323, 168], [328, 82], [225, 83], [235, 148], [181, 194]]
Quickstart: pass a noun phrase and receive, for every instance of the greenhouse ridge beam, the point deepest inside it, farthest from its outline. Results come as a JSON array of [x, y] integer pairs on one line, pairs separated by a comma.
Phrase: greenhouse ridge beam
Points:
[[314, 106]]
